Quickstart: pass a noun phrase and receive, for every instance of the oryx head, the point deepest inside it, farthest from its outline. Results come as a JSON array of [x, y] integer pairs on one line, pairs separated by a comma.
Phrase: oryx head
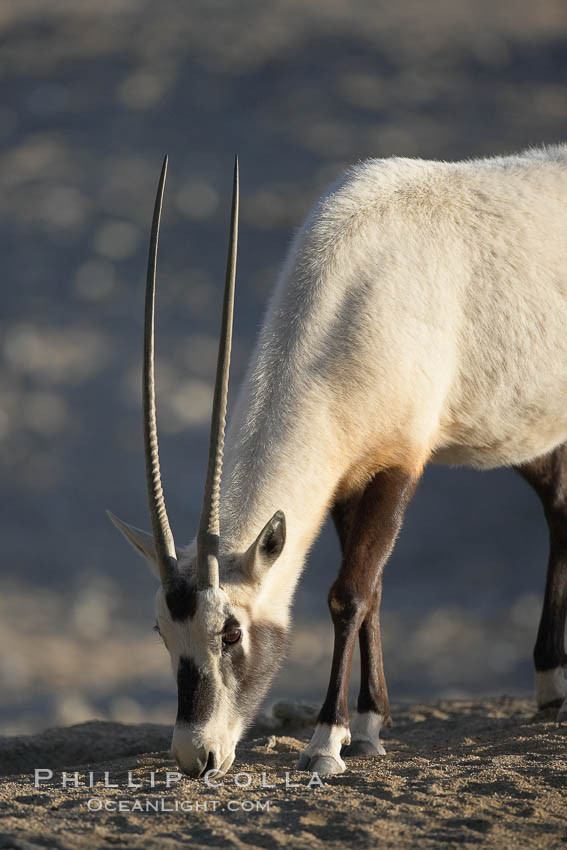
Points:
[[223, 653]]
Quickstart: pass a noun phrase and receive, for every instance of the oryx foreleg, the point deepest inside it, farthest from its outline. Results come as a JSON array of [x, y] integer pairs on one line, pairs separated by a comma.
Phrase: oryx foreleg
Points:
[[367, 528]]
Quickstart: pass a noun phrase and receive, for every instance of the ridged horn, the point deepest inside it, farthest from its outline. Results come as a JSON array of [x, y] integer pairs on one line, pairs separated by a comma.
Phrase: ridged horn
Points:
[[163, 538], [208, 536]]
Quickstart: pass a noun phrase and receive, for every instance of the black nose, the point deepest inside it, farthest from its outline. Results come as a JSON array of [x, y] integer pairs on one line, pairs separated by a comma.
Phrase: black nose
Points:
[[210, 765]]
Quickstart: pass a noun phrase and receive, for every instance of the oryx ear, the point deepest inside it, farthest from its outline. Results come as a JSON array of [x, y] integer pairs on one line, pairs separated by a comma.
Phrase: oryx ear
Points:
[[140, 540], [267, 547]]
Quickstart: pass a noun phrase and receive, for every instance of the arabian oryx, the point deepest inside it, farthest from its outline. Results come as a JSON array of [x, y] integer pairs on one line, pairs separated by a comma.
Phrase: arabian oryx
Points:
[[421, 315]]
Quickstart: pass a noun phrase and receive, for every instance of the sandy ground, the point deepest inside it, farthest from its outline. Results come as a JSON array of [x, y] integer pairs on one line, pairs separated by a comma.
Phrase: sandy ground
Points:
[[467, 774], [91, 97]]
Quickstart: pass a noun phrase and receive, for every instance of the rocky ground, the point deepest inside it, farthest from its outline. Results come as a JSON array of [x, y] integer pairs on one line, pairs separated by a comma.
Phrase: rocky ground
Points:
[[464, 774]]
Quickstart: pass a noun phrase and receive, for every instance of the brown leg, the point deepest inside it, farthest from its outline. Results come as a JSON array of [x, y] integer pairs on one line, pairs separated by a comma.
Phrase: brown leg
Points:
[[373, 707], [373, 695], [368, 529], [548, 477]]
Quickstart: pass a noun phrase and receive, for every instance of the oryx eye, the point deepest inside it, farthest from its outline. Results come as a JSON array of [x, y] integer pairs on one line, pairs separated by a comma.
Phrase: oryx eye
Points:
[[231, 636]]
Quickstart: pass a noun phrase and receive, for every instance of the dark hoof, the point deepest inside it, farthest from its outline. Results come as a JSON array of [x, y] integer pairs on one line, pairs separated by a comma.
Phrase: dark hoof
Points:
[[549, 713], [362, 750], [323, 765]]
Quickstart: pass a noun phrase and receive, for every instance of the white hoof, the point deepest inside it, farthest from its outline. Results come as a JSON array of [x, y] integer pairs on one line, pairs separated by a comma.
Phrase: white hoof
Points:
[[365, 736], [323, 752], [551, 688]]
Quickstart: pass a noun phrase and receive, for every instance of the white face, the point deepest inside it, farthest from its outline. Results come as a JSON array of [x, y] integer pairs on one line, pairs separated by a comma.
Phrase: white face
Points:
[[223, 656], [223, 663]]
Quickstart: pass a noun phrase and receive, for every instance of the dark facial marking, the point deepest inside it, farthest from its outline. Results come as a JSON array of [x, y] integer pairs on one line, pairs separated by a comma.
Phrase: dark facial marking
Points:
[[254, 672], [231, 623], [194, 693], [181, 600]]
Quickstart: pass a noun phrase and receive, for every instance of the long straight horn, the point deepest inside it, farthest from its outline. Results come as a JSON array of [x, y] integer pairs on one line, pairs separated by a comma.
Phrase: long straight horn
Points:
[[163, 538], [208, 537]]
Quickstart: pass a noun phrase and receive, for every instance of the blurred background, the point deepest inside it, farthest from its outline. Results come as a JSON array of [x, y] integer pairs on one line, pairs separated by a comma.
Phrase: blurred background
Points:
[[91, 97]]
